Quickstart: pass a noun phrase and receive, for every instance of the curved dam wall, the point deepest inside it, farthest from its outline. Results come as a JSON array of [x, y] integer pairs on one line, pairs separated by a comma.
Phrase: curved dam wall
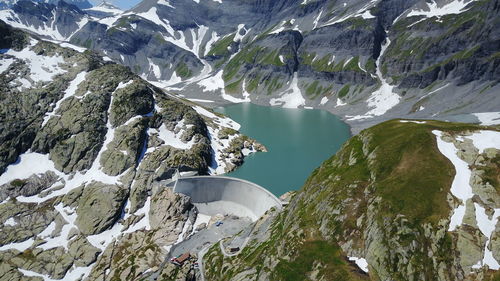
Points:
[[225, 195]]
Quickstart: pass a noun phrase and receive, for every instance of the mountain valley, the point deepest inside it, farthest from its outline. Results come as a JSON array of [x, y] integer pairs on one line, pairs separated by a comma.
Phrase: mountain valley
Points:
[[102, 112]]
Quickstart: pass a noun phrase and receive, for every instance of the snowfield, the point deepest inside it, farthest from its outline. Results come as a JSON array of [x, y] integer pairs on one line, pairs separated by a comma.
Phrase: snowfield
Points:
[[462, 190], [290, 98], [433, 10]]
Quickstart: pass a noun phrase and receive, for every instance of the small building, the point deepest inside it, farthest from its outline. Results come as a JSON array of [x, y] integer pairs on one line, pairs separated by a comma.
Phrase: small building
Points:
[[234, 250], [180, 260]]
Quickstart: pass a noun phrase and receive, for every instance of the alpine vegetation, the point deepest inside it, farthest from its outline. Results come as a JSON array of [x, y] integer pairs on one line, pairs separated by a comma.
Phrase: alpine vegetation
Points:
[[116, 165]]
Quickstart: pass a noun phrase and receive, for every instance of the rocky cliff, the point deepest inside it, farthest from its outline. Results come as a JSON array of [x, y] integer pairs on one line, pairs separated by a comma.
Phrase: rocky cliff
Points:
[[366, 62], [82, 141], [390, 205]]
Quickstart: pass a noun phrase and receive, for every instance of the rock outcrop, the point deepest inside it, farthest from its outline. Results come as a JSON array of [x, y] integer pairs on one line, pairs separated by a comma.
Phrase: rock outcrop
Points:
[[99, 207], [82, 141]]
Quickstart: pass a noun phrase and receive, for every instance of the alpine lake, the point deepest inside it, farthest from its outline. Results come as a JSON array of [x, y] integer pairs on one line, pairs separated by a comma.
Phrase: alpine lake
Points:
[[297, 140]]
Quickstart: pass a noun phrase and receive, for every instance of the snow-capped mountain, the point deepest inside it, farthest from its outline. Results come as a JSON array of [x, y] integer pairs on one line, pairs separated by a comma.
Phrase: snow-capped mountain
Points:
[[93, 114], [351, 58], [103, 10]]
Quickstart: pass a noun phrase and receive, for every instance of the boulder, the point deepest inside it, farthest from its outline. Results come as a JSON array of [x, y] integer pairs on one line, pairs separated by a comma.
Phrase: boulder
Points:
[[28, 187], [167, 206], [99, 207], [82, 251]]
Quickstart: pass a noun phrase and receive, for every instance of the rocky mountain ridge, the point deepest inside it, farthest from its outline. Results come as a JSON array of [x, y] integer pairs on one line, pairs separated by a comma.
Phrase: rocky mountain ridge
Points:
[[82, 141], [403, 200], [366, 62]]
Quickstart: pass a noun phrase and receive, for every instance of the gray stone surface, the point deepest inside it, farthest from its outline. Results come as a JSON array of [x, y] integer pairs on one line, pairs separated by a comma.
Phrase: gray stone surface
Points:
[[99, 207]]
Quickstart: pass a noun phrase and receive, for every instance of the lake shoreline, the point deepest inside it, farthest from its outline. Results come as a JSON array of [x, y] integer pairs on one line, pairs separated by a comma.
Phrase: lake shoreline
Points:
[[298, 140]]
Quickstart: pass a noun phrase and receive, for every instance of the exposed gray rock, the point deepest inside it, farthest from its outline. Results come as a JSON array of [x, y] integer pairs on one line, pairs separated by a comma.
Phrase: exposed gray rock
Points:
[[74, 138], [28, 187], [30, 219], [126, 148], [167, 205], [82, 251], [495, 242], [135, 99], [99, 207], [54, 262], [470, 245]]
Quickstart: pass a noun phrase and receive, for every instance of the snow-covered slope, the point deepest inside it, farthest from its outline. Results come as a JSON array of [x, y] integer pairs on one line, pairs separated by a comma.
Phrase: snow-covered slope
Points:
[[365, 61]]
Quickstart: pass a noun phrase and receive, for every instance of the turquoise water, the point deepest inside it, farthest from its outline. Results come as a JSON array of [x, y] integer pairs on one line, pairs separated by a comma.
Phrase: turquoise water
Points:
[[298, 141]]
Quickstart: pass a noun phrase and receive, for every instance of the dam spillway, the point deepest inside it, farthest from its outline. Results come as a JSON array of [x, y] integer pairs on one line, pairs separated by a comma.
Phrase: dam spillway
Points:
[[214, 195]]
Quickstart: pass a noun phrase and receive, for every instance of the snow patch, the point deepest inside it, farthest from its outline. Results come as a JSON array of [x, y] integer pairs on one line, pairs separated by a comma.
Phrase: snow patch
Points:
[[460, 187], [225, 122], [63, 239], [485, 139], [185, 228], [4, 64], [154, 68], [432, 92], [20, 246], [28, 164], [238, 36], [488, 118], [382, 99], [340, 103], [109, 9], [144, 222], [432, 9], [171, 138], [213, 39], [200, 100], [316, 20], [360, 262], [42, 68], [165, 3], [47, 232], [362, 12], [212, 83], [412, 121], [367, 15], [200, 219], [70, 91], [487, 226], [323, 101], [10, 222], [290, 98]]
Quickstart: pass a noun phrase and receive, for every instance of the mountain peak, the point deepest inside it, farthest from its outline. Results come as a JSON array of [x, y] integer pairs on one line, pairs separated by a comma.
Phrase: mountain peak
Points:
[[107, 5], [104, 9]]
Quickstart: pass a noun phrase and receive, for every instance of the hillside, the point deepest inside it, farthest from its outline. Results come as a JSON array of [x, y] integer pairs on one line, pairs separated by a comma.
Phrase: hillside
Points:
[[82, 140], [403, 200]]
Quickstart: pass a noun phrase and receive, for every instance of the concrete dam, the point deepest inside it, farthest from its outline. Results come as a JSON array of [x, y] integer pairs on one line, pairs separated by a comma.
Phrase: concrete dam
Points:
[[214, 195]]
